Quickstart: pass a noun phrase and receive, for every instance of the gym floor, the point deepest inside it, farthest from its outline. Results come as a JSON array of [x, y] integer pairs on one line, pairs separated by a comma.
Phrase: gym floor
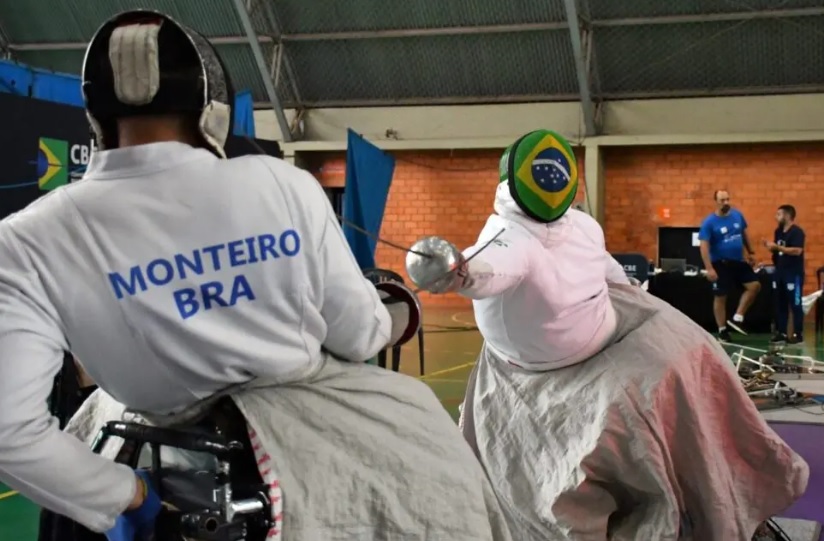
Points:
[[451, 345]]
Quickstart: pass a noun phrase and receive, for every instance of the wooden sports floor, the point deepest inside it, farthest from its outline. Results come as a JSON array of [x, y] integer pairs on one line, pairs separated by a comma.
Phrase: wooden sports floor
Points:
[[451, 345]]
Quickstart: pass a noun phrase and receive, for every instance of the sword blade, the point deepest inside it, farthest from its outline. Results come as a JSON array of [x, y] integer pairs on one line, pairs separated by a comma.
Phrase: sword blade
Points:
[[348, 223]]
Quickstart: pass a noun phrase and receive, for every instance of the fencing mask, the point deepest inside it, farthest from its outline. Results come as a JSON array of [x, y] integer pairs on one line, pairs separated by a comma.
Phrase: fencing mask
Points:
[[542, 174], [144, 63]]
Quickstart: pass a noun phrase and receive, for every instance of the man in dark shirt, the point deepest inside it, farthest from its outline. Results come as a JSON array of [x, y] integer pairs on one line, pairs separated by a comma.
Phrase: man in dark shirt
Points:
[[787, 248]]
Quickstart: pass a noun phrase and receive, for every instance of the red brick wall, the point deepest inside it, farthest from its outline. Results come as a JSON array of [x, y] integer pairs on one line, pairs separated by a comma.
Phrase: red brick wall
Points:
[[451, 194], [446, 193], [641, 182]]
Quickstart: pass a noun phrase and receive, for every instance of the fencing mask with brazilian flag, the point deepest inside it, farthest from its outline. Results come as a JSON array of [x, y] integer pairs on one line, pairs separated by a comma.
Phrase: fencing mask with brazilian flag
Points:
[[143, 62], [542, 173]]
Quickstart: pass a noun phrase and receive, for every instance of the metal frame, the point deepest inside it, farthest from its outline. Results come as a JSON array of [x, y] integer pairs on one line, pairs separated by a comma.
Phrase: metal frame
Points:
[[81, 46], [4, 44], [461, 100], [462, 30], [581, 50], [710, 17], [584, 56], [554, 98], [426, 32], [271, 91], [280, 58]]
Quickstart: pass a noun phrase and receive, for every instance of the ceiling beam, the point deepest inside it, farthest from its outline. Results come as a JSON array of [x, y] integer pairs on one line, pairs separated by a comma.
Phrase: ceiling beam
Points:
[[260, 61], [550, 26], [554, 98], [272, 23], [81, 45], [330, 36], [415, 102], [709, 17], [769, 90], [582, 71], [425, 32], [4, 44], [470, 30]]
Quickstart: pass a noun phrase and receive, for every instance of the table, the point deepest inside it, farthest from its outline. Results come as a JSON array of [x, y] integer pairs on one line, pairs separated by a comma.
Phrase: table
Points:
[[692, 295]]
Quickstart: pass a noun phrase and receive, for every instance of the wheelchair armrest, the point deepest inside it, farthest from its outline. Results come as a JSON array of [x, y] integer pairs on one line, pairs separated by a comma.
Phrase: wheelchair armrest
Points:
[[214, 445]]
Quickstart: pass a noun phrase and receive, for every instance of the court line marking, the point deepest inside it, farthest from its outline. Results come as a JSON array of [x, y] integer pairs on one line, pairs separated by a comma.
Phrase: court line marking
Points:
[[447, 370], [8, 495], [456, 319]]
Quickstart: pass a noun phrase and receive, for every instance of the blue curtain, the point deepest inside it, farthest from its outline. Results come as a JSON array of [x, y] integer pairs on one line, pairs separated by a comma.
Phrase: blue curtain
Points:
[[15, 79], [244, 114], [64, 88], [57, 87], [369, 173]]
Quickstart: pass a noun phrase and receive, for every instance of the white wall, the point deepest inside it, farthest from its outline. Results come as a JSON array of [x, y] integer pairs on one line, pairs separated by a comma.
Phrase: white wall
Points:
[[665, 121]]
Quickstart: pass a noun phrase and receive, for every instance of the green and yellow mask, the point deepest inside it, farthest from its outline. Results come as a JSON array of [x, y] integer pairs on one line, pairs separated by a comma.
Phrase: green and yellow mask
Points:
[[542, 174]]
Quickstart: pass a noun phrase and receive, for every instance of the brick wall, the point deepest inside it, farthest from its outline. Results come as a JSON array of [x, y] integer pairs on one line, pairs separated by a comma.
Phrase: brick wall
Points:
[[642, 182], [446, 193], [451, 194]]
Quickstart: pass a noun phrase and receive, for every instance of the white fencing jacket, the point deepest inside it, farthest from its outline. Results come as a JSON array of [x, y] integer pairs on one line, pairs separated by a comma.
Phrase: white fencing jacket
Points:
[[540, 290], [170, 274]]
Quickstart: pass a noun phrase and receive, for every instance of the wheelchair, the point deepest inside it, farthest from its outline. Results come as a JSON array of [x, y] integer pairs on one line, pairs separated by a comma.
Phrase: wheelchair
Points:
[[218, 496], [221, 499]]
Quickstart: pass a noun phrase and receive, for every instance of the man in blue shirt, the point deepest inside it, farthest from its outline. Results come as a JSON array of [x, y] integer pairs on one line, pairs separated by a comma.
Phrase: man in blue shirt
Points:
[[728, 259], [787, 248]]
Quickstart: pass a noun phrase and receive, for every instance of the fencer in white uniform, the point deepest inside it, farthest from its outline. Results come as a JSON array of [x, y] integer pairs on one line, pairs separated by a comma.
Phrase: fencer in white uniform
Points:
[[173, 273], [598, 411]]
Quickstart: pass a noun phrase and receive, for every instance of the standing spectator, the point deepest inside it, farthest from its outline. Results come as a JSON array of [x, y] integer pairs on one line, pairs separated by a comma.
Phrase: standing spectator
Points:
[[728, 259], [787, 248]]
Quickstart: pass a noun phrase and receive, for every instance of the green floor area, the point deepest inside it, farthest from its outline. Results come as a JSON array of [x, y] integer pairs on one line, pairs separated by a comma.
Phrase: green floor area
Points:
[[450, 348], [18, 517], [811, 347]]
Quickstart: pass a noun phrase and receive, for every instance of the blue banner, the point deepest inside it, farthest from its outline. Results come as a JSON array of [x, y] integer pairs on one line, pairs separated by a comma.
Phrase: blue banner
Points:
[[57, 88], [46, 145], [369, 173], [66, 89], [244, 112]]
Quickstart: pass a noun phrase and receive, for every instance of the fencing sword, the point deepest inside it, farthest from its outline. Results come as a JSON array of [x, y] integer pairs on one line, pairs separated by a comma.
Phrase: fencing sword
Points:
[[348, 223], [375, 237], [394, 245], [445, 253]]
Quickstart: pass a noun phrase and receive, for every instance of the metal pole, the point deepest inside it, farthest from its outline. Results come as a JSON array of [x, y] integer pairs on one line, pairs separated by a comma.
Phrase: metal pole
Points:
[[271, 20], [581, 67], [80, 45], [710, 17], [271, 92], [426, 32]]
